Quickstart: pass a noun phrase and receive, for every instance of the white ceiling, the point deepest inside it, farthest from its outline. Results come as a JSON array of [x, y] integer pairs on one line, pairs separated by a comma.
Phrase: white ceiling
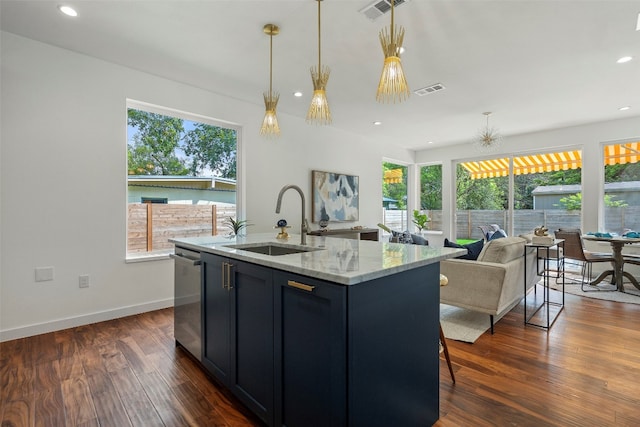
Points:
[[536, 64]]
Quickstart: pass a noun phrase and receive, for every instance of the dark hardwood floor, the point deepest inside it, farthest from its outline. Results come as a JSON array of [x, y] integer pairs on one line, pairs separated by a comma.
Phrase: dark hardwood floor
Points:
[[584, 372]]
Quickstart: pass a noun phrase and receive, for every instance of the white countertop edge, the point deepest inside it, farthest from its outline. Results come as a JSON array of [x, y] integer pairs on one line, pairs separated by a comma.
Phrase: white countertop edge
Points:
[[374, 259]]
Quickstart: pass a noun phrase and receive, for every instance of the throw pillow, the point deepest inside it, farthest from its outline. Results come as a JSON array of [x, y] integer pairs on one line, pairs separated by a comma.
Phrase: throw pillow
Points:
[[405, 237], [419, 240], [473, 249], [400, 237], [497, 234]]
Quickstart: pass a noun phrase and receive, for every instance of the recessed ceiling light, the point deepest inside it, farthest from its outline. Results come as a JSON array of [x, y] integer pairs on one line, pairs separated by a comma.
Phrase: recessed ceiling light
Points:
[[624, 59], [377, 123], [429, 142], [624, 108], [297, 94], [68, 10], [638, 24]]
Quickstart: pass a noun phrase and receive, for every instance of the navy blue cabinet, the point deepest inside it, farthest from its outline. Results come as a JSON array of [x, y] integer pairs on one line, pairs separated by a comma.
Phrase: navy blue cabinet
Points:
[[304, 352], [216, 311], [360, 355], [393, 365], [310, 352], [238, 330]]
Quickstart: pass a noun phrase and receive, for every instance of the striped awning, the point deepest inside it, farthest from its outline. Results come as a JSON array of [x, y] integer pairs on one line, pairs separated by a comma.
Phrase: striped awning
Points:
[[550, 162], [622, 153], [393, 176]]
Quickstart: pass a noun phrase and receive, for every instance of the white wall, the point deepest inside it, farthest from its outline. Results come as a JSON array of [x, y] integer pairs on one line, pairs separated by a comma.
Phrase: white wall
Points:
[[63, 181], [588, 138]]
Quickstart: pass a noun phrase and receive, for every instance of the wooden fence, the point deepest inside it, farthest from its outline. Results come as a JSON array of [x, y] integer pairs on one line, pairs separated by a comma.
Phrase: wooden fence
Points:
[[151, 225], [468, 221]]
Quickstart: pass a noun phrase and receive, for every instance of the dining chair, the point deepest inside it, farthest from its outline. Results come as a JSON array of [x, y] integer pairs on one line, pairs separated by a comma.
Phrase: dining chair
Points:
[[574, 250], [631, 259]]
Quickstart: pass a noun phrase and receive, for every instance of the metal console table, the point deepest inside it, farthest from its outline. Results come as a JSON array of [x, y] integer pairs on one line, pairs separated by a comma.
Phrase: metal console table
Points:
[[543, 310]]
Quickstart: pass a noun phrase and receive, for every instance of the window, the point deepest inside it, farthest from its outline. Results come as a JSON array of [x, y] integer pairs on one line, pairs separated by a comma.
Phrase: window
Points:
[[162, 200], [482, 197], [546, 191], [622, 187], [394, 196], [181, 178], [431, 195]]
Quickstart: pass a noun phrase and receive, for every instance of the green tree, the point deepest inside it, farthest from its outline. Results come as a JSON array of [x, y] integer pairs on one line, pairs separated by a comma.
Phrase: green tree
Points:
[[573, 202], [152, 151], [211, 147], [431, 187], [523, 185], [479, 194], [622, 172]]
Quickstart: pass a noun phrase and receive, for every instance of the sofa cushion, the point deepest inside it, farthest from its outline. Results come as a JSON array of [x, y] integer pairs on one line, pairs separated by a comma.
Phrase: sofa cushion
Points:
[[503, 250], [419, 240], [473, 249], [528, 237]]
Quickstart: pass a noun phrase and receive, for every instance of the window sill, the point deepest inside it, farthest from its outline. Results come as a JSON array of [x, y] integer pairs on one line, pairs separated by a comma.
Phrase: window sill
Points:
[[145, 257]]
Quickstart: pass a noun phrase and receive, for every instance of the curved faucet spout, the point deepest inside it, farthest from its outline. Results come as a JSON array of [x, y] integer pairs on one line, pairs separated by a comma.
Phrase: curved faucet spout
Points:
[[304, 227]]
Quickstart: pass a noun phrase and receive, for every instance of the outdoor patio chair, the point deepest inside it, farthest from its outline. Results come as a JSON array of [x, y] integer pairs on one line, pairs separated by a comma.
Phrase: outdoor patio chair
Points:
[[489, 229], [574, 250]]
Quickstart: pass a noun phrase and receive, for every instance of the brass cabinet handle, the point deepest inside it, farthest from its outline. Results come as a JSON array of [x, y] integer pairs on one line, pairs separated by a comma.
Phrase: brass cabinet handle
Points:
[[299, 285], [224, 264], [229, 267], [226, 275]]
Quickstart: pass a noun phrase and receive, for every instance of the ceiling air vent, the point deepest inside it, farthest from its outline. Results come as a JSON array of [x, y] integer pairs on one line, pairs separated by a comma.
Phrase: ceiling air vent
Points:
[[379, 8], [429, 89]]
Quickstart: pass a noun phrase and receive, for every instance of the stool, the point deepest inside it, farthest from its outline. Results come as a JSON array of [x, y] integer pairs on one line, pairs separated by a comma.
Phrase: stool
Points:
[[444, 280]]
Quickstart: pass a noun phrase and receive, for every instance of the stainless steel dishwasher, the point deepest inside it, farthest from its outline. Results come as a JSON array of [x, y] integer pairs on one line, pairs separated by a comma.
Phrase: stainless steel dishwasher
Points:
[[187, 319]]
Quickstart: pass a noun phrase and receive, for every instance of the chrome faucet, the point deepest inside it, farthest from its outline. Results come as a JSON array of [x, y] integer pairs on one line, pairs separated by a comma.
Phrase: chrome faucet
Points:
[[304, 225]]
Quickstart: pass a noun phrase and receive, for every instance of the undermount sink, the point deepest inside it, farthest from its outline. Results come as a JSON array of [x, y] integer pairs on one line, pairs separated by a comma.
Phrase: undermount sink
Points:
[[273, 249]]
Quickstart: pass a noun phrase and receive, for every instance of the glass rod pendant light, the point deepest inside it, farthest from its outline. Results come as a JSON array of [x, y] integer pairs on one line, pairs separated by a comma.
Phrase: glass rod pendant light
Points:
[[393, 84], [319, 112], [488, 139], [270, 127]]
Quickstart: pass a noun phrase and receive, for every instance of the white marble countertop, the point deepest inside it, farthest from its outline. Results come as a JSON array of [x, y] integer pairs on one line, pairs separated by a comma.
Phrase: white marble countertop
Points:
[[343, 261]]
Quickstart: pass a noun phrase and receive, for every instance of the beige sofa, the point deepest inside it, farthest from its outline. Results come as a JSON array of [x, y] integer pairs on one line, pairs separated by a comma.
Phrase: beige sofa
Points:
[[492, 284]]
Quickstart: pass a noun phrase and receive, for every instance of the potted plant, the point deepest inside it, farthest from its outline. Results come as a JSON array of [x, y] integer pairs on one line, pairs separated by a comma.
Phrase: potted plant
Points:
[[420, 220], [236, 226]]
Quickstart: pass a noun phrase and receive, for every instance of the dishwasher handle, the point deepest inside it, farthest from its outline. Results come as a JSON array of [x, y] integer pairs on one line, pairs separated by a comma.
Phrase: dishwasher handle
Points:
[[183, 258]]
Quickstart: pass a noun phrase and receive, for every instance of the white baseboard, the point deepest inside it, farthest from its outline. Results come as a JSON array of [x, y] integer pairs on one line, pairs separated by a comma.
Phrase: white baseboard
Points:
[[85, 319]]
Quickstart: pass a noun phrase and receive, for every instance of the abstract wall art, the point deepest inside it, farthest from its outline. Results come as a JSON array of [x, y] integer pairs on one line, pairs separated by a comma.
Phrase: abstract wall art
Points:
[[335, 196]]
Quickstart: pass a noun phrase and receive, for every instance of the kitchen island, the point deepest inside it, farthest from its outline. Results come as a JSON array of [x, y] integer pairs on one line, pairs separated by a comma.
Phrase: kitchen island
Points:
[[343, 333]]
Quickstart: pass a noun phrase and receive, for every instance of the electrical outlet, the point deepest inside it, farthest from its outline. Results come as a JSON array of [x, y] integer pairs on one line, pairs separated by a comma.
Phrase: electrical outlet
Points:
[[83, 281], [44, 274]]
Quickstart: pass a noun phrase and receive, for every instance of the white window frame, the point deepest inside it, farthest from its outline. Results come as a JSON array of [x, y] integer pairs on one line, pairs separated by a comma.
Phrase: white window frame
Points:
[[194, 117]]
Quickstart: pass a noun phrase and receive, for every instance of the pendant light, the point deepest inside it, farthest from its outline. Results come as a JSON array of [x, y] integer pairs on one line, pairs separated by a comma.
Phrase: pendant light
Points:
[[393, 84], [270, 127], [319, 112], [488, 139]]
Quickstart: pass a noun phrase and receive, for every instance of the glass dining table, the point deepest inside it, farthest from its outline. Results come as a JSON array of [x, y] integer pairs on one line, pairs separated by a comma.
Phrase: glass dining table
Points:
[[618, 274]]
